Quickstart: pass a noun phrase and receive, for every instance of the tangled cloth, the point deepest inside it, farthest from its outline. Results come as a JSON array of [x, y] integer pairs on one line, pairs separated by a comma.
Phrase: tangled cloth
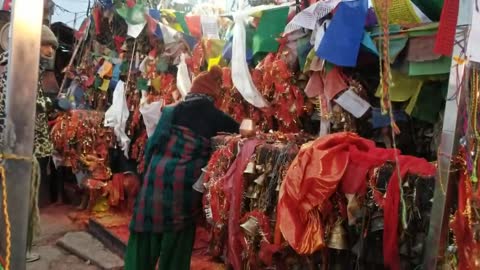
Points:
[[339, 161]]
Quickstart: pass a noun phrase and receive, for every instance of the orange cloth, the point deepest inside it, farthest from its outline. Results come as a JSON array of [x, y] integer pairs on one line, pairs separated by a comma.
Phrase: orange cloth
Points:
[[318, 171], [208, 82]]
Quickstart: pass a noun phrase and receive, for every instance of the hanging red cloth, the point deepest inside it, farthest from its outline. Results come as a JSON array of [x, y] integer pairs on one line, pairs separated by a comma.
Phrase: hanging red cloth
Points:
[[468, 249], [234, 192], [325, 165]]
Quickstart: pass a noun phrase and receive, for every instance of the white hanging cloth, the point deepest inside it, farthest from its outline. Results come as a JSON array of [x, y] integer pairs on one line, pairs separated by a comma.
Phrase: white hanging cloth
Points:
[[183, 78], [117, 115], [151, 113], [241, 77]]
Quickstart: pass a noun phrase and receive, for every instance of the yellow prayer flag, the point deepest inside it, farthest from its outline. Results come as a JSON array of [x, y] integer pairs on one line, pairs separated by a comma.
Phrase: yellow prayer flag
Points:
[[104, 86], [403, 88]]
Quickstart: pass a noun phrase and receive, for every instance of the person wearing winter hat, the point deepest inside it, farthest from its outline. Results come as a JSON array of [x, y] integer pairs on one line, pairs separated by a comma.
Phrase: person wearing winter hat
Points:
[[43, 146], [162, 229]]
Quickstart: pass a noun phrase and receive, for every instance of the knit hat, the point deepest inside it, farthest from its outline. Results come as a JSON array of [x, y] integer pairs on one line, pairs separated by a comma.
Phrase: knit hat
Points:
[[208, 82], [48, 37]]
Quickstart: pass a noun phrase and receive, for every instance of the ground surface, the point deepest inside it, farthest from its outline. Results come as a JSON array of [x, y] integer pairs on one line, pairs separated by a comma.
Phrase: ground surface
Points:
[[64, 224], [55, 224]]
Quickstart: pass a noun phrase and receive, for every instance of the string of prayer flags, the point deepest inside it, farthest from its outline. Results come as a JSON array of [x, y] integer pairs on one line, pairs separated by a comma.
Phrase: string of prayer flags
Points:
[[341, 42], [271, 25]]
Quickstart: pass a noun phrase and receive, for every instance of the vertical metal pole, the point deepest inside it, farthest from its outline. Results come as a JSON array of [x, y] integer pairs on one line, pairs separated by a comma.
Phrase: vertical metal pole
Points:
[[23, 66], [437, 238]]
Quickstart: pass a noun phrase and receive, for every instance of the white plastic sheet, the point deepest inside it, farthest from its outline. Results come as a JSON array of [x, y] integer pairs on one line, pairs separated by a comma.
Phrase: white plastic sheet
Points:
[[117, 115], [183, 78], [151, 113]]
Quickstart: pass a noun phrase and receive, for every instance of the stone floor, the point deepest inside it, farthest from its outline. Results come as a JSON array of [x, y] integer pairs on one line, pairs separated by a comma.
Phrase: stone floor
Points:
[[55, 224]]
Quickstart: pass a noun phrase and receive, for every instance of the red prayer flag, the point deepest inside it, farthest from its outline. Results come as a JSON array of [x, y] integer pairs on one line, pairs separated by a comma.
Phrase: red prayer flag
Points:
[[194, 25], [81, 32], [447, 28]]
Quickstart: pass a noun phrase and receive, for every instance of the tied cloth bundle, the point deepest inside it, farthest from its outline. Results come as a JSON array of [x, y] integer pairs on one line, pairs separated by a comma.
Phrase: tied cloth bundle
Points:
[[34, 212]]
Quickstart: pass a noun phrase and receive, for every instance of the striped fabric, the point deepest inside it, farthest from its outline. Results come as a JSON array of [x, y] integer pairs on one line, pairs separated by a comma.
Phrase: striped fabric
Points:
[[167, 201]]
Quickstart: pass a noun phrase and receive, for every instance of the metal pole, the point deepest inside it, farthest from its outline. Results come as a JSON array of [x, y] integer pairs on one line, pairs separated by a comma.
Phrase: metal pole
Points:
[[23, 65], [75, 20], [437, 238]]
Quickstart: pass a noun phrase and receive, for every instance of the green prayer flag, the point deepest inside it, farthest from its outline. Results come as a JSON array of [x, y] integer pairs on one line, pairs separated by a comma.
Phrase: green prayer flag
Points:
[[434, 67], [134, 15], [97, 83], [431, 8], [396, 46], [367, 42], [430, 101], [142, 84], [271, 25], [180, 17]]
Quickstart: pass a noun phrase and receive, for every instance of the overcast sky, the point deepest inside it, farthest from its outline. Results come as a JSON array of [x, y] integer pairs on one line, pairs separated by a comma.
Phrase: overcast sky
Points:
[[78, 6]]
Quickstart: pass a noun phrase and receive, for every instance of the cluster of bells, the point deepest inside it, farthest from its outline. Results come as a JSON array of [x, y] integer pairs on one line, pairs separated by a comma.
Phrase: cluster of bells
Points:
[[252, 169]]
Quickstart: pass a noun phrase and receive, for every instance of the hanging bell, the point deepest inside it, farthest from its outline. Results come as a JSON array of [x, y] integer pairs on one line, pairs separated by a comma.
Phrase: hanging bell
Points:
[[260, 180], [376, 223], [251, 193], [250, 226], [250, 169], [338, 237]]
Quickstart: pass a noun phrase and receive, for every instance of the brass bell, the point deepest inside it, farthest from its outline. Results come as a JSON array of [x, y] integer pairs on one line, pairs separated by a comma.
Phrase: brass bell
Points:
[[338, 237], [251, 193], [376, 223], [250, 226], [250, 169], [260, 180]]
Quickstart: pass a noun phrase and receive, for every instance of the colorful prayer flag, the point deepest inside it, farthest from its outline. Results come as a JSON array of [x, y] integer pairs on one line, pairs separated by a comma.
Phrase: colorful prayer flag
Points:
[[271, 25], [341, 42]]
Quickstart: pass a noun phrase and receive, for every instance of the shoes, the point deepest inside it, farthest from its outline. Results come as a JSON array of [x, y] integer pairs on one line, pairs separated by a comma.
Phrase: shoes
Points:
[[32, 257]]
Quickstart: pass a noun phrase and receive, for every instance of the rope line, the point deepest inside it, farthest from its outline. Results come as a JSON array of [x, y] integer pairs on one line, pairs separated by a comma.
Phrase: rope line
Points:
[[8, 234]]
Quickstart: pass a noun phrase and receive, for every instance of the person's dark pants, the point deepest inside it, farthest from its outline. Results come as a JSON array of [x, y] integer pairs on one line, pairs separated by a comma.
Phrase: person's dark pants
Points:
[[44, 196], [170, 250]]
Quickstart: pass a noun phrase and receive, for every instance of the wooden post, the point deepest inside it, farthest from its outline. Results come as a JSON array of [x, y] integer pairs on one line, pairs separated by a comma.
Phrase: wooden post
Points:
[[23, 67], [437, 239]]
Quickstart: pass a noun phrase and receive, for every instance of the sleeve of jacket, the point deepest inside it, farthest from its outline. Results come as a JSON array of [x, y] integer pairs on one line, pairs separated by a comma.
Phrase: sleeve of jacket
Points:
[[226, 123]]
